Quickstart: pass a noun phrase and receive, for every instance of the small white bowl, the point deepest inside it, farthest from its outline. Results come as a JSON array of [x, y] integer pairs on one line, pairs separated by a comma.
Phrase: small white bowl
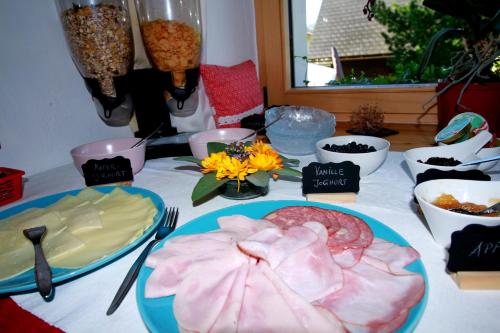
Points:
[[412, 157], [488, 152], [110, 148], [443, 222], [198, 141], [368, 162], [483, 153], [464, 151]]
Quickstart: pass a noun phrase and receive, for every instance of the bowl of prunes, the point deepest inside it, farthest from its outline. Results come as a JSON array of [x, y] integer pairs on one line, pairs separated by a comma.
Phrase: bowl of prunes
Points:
[[448, 157], [366, 151]]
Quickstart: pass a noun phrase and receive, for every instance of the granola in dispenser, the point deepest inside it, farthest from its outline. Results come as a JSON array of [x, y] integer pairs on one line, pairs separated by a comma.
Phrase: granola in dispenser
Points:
[[100, 39]]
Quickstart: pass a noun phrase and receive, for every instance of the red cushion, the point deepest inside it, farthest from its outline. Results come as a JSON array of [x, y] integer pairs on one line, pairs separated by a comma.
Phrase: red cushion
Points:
[[234, 92]]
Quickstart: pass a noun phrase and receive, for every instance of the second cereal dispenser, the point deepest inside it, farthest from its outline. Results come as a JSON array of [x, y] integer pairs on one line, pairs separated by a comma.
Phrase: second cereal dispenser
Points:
[[99, 35], [171, 33]]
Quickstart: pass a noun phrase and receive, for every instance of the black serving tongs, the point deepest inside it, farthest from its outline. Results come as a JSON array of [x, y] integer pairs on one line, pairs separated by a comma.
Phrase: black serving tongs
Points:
[[43, 275]]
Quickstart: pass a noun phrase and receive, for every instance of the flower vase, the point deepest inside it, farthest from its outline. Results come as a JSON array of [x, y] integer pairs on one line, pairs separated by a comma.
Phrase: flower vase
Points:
[[247, 190]]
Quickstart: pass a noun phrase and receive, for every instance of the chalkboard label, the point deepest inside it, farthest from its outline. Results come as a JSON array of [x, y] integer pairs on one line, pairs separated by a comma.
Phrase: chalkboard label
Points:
[[475, 248], [330, 178], [108, 170], [431, 174]]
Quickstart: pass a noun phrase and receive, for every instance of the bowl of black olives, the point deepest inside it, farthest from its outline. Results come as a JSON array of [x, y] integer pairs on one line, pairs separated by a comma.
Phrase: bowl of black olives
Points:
[[366, 151]]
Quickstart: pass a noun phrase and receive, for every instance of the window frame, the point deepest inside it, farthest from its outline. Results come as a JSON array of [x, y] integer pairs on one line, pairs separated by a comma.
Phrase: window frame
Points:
[[400, 103]]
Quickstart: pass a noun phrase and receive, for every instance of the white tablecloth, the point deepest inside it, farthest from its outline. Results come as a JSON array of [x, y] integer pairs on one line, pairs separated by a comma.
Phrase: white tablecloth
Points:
[[386, 195]]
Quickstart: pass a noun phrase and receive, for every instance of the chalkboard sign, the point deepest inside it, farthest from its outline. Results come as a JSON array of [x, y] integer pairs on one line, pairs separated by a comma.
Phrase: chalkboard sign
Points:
[[431, 174], [475, 248], [330, 178], [107, 171]]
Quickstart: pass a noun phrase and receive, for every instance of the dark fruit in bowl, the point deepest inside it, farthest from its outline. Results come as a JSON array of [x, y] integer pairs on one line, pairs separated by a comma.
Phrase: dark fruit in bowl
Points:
[[350, 148], [441, 161]]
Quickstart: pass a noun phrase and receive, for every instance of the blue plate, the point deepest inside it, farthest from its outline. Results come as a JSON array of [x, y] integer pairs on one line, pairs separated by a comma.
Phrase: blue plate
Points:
[[157, 313], [26, 280]]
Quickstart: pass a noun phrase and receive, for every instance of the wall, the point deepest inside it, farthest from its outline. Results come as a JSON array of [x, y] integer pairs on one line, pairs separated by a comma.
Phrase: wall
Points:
[[45, 109]]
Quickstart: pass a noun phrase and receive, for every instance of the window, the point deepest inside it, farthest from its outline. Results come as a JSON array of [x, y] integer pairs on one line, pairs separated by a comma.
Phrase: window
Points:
[[400, 103]]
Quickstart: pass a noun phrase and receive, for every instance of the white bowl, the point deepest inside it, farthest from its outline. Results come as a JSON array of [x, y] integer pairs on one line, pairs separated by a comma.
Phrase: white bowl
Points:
[[368, 162], [488, 152], [443, 222], [110, 148], [412, 157], [483, 153], [198, 141], [463, 152]]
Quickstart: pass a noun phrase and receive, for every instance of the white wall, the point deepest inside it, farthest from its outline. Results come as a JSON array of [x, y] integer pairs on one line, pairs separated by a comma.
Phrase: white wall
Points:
[[45, 109]]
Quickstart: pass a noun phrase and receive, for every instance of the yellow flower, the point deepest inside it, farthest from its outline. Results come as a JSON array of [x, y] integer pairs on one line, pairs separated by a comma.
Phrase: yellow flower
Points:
[[211, 163], [265, 161], [233, 168], [260, 147]]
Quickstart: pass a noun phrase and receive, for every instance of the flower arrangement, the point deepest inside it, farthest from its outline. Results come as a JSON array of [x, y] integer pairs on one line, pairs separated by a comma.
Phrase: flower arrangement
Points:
[[253, 163]]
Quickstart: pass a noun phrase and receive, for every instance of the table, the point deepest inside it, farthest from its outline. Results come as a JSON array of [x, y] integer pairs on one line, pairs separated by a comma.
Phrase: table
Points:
[[386, 195]]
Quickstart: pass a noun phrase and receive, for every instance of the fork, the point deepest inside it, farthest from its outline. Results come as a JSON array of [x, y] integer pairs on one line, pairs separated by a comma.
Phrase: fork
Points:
[[163, 231]]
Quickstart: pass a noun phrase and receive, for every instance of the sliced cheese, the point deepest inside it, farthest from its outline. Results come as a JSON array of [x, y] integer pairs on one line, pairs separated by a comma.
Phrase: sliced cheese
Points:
[[81, 229]]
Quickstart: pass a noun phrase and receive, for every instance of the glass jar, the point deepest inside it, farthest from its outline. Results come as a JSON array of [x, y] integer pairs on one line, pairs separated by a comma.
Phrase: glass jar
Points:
[[171, 33], [99, 36], [244, 191]]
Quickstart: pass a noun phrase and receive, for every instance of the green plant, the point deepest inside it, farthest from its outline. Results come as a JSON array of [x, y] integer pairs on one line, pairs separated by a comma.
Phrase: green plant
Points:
[[409, 28], [480, 36]]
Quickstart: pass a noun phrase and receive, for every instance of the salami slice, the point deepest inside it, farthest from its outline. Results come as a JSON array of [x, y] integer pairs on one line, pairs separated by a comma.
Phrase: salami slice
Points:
[[297, 215], [366, 235], [345, 231]]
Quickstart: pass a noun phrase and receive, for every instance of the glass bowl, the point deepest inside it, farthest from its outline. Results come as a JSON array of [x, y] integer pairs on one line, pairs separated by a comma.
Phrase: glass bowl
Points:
[[299, 128]]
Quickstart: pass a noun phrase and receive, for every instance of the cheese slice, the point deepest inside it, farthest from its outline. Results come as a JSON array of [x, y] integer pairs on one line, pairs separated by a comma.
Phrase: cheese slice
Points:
[[81, 229], [82, 218]]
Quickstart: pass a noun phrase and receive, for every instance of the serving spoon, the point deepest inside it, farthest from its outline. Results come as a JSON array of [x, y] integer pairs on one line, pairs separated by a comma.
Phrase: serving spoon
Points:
[[138, 143], [264, 127], [492, 209], [43, 275], [482, 160]]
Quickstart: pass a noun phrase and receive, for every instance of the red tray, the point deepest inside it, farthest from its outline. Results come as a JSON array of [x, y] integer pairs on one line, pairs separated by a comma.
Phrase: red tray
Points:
[[11, 185]]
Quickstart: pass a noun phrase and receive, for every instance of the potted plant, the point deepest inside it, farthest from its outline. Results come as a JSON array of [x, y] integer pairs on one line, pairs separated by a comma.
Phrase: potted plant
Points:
[[473, 83]]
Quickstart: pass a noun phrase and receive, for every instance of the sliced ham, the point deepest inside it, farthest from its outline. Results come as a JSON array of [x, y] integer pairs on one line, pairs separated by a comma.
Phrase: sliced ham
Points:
[[300, 257], [295, 274], [389, 256], [202, 295], [348, 257], [372, 297], [243, 225], [312, 318], [311, 272], [264, 309]]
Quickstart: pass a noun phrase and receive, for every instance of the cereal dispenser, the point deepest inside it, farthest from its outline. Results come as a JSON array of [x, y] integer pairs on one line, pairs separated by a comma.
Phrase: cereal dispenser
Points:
[[171, 33], [99, 35]]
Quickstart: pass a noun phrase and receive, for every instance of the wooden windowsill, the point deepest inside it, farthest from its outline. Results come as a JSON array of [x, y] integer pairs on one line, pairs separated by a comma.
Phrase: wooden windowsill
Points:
[[409, 136]]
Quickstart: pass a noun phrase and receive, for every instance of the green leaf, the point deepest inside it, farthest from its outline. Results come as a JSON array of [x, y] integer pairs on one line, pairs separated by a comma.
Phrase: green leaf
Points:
[[188, 159], [215, 147], [260, 178], [288, 172], [289, 160], [206, 185]]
